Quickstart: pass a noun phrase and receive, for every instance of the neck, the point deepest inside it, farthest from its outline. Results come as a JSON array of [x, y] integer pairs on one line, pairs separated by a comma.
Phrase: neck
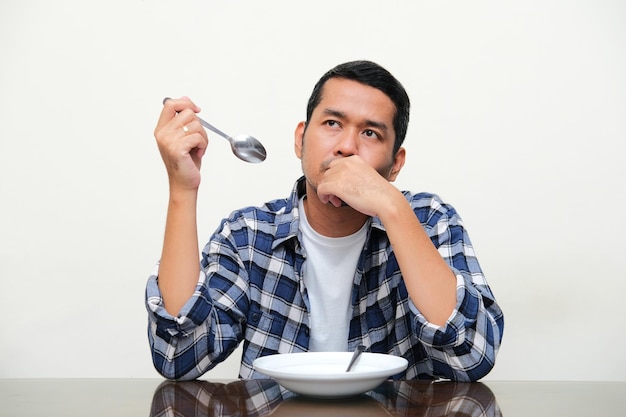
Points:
[[329, 220]]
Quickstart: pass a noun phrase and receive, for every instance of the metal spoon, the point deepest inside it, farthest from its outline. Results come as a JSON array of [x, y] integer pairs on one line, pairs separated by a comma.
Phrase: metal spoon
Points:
[[245, 147], [357, 352]]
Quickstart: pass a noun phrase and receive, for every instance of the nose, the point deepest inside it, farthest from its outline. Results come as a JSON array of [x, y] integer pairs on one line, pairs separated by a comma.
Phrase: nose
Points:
[[346, 144]]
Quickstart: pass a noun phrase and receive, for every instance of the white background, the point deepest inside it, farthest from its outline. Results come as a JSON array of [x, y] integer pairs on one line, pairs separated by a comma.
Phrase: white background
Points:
[[519, 121]]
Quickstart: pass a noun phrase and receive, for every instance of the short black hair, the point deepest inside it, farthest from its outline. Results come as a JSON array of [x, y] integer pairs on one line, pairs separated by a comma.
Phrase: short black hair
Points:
[[373, 75]]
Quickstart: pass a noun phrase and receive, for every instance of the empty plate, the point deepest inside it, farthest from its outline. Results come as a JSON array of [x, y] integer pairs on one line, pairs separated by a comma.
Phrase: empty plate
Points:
[[323, 374]]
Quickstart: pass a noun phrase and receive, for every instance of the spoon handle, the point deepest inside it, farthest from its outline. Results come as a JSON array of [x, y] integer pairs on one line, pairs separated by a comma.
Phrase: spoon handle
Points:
[[357, 352], [207, 124], [212, 128]]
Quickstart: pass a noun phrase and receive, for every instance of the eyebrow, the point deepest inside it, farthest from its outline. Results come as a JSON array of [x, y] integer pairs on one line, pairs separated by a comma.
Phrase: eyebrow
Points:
[[370, 123]]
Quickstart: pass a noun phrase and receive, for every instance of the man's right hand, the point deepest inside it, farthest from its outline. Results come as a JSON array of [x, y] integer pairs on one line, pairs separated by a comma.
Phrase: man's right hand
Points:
[[182, 142]]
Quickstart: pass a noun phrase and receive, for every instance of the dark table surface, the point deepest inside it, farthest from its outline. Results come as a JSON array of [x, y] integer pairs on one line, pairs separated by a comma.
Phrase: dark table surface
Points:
[[154, 397]]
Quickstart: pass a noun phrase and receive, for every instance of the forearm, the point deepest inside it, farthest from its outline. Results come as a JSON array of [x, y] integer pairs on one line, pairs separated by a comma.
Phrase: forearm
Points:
[[180, 262], [429, 280]]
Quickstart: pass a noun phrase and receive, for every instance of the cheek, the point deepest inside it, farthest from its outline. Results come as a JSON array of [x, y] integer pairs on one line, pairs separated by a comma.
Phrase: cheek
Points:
[[306, 160], [385, 166], [309, 153]]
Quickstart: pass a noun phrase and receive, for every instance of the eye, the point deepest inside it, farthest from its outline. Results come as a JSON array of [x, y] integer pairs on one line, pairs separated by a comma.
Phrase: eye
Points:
[[371, 134], [332, 124]]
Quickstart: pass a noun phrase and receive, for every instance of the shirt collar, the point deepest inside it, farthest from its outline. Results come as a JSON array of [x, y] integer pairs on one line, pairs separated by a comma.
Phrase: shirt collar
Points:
[[288, 221]]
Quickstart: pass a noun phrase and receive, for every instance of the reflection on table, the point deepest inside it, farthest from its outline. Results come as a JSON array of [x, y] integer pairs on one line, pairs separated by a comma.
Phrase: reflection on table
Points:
[[129, 397], [266, 397]]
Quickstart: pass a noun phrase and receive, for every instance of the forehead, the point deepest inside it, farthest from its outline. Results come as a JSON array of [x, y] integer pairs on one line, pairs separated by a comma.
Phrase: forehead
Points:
[[357, 100]]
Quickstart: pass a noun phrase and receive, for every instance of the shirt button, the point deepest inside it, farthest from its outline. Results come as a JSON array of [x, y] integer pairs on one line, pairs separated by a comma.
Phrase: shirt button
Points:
[[256, 317], [306, 332]]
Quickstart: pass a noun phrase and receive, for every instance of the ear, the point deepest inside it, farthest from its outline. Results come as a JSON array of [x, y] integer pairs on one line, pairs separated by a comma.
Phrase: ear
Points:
[[398, 163], [298, 139]]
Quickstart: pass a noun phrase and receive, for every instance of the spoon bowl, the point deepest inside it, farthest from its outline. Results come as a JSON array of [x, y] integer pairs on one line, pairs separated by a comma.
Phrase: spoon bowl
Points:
[[248, 148]]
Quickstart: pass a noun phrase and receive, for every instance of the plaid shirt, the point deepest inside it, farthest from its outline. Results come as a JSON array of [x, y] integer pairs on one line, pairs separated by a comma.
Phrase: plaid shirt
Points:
[[251, 289]]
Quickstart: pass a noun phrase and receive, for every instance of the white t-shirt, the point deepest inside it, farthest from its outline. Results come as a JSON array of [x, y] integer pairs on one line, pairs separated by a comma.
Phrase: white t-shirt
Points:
[[328, 276]]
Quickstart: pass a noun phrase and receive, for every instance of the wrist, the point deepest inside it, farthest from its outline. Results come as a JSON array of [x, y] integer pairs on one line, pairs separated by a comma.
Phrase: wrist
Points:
[[182, 195], [394, 206]]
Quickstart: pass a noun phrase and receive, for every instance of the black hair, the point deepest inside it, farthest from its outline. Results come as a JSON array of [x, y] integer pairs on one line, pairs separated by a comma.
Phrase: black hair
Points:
[[373, 75]]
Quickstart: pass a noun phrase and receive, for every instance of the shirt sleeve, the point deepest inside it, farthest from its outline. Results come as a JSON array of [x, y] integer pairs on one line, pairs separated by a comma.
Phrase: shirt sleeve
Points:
[[465, 348], [208, 327]]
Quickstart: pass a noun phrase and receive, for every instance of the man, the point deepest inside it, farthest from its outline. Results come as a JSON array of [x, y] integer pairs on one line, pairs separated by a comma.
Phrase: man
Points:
[[347, 259]]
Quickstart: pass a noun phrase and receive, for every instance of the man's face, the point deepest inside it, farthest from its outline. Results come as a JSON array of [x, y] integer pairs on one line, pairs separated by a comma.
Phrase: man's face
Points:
[[351, 119]]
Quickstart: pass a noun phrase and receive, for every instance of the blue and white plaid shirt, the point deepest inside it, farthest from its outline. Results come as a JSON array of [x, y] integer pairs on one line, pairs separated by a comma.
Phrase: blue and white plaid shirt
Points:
[[251, 289]]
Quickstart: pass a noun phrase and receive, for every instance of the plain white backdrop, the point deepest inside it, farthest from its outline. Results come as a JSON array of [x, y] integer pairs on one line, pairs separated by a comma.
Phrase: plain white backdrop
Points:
[[518, 120]]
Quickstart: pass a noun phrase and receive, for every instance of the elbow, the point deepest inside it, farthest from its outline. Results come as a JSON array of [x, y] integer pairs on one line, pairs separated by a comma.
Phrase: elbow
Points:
[[478, 369], [172, 363], [472, 359], [484, 362], [169, 358], [484, 356], [484, 350], [168, 369]]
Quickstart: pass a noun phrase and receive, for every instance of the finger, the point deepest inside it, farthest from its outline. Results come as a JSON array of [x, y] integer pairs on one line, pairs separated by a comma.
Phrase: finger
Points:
[[193, 131], [189, 125], [336, 201], [194, 145], [185, 123], [172, 107], [331, 198], [184, 101], [199, 142], [324, 198]]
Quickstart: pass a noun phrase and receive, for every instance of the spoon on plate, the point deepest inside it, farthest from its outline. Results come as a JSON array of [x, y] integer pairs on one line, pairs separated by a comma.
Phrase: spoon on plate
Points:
[[357, 352], [245, 147]]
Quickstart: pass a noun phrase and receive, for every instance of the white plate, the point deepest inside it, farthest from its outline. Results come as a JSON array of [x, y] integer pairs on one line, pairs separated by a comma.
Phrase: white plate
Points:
[[323, 374]]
